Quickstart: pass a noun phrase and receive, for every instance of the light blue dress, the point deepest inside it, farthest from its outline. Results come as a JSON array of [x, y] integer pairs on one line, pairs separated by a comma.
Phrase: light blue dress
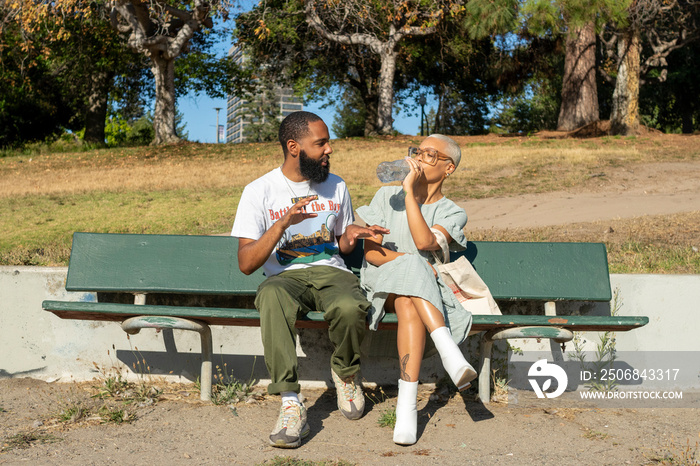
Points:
[[410, 274]]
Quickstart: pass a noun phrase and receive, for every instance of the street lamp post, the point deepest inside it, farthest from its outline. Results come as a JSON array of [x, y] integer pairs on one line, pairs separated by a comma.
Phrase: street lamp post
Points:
[[217, 123], [421, 101]]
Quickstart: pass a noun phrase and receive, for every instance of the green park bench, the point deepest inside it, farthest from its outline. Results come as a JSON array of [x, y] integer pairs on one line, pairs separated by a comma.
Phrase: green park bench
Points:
[[184, 267]]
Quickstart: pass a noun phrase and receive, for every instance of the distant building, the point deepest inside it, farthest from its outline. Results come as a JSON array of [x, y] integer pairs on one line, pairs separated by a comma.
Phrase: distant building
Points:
[[236, 117]]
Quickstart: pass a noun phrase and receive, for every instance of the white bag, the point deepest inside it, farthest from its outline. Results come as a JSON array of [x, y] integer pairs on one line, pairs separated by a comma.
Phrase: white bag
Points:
[[469, 289]]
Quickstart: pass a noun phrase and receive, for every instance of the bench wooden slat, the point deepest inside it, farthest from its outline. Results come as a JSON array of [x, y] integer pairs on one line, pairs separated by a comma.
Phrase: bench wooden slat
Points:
[[250, 317], [107, 262], [542, 271]]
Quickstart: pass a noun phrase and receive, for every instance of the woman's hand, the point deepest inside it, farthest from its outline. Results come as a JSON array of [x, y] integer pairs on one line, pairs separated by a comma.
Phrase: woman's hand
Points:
[[413, 176]]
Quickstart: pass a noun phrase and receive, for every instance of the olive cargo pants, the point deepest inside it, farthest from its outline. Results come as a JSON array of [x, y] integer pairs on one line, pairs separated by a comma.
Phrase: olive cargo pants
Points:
[[283, 297]]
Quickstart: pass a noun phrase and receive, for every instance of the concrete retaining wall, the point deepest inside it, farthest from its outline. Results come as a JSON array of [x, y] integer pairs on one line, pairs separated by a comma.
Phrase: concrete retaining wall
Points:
[[35, 343]]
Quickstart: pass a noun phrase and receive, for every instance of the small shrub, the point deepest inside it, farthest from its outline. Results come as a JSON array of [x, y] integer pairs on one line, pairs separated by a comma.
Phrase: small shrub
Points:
[[115, 414], [72, 413], [227, 390], [26, 440], [387, 416]]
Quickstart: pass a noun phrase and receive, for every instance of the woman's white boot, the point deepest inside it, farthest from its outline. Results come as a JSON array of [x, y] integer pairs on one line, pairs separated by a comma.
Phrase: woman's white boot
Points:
[[459, 370], [406, 413]]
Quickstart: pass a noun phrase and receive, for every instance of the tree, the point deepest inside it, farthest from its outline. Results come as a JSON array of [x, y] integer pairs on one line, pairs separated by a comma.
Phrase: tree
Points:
[[460, 71], [578, 22], [161, 31], [487, 59], [136, 131], [89, 57], [282, 48], [322, 46], [80, 40], [535, 109], [263, 115], [663, 26], [79, 53], [33, 106], [674, 106], [380, 28], [579, 97], [85, 58], [458, 114], [429, 122], [350, 116]]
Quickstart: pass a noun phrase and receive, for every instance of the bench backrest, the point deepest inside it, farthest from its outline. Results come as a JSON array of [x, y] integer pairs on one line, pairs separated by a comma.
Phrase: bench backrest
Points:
[[208, 265], [158, 264], [534, 271]]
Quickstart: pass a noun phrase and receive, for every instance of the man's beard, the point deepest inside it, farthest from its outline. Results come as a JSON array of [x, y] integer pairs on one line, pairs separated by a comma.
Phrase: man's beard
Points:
[[313, 169]]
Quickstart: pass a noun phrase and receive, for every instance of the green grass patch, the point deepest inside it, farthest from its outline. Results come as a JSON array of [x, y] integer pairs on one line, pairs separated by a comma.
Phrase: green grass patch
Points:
[[27, 439], [227, 390], [115, 414], [72, 413], [640, 257], [387, 418], [38, 229], [290, 461]]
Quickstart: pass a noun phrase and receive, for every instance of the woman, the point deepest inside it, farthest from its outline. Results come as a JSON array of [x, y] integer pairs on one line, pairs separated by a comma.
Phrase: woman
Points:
[[398, 275]]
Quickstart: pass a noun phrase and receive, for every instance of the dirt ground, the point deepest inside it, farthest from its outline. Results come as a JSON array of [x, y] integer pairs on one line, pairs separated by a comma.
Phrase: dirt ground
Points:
[[618, 193], [179, 429]]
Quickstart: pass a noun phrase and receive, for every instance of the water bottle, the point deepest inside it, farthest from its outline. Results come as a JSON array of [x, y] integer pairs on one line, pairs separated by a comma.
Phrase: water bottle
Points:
[[393, 171]]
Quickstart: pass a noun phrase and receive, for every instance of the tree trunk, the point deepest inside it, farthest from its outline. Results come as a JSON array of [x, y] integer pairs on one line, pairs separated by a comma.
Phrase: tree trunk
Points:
[[371, 128], [96, 113], [687, 121], [579, 93], [385, 123], [164, 116], [440, 114], [624, 117]]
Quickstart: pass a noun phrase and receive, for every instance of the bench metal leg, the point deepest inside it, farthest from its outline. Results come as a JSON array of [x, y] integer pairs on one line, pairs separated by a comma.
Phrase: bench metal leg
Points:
[[133, 325], [559, 335], [485, 370]]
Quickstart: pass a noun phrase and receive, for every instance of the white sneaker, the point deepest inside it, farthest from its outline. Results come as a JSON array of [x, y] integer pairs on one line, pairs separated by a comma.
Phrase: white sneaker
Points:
[[351, 399], [291, 426]]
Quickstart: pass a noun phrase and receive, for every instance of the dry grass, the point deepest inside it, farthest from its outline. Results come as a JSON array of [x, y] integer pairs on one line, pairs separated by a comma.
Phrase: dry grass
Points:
[[201, 166], [650, 244], [150, 169], [194, 188]]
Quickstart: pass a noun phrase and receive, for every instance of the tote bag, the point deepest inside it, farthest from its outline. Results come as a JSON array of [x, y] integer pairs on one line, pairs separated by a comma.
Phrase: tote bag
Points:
[[469, 289]]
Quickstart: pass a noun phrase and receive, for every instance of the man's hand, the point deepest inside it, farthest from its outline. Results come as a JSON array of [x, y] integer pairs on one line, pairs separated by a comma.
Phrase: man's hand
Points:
[[297, 213], [353, 232], [252, 254]]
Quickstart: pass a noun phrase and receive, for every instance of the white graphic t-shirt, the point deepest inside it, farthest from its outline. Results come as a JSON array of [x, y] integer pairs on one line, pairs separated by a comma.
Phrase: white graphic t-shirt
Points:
[[310, 242]]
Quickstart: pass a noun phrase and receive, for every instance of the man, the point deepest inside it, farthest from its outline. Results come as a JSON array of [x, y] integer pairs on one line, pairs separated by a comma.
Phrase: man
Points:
[[293, 222]]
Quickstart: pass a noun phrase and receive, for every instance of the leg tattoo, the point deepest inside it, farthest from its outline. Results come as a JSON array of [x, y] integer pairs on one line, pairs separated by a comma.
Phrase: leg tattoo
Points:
[[404, 363]]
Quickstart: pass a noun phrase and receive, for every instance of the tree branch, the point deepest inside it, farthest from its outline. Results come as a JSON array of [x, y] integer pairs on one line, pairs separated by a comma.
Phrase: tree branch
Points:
[[317, 24]]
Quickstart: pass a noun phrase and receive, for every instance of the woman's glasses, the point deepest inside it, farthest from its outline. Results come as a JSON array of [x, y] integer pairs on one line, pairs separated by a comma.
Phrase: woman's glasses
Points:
[[427, 156]]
